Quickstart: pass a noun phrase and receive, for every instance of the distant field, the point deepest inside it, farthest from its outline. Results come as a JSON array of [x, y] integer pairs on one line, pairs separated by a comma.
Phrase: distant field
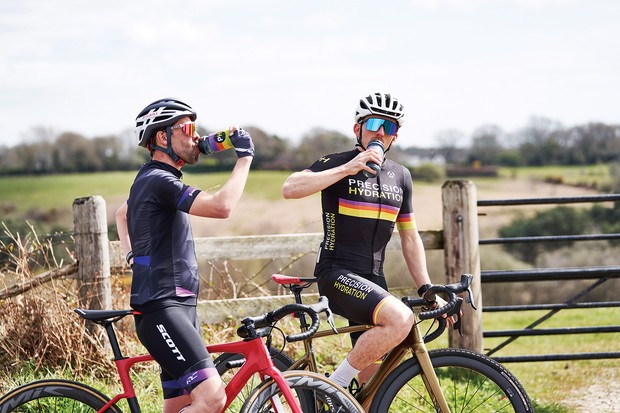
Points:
[[36, 197], [588, 176], [47, 200]]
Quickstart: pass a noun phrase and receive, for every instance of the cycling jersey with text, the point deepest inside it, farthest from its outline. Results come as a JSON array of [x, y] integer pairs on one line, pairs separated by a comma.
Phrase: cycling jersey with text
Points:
[[165, 264], [359, 214]]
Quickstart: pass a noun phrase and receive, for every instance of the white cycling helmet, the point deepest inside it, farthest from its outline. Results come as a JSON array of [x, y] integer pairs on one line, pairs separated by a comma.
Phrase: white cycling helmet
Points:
[[382, 104], [158, 115]]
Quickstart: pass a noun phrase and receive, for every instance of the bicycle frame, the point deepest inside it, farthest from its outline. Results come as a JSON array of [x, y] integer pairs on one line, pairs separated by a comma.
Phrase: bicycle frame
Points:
[[413, 342], [254, 350]]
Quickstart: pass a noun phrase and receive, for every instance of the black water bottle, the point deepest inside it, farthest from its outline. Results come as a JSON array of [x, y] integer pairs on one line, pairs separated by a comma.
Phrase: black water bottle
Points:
[[376, 146]]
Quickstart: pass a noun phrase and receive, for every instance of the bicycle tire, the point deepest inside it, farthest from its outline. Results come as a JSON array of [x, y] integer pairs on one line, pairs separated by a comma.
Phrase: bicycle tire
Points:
[[54, 396], [470, 382], [313, 392]]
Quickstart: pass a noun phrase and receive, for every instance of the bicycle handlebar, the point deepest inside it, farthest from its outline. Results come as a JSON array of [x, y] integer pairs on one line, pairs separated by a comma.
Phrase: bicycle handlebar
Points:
[[260, 326], [452, 307], [450, 290]]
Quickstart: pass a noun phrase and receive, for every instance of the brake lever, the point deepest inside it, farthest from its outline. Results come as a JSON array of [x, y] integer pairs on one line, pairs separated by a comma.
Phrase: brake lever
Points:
[[330, 320], [456, 313], [470, 298]]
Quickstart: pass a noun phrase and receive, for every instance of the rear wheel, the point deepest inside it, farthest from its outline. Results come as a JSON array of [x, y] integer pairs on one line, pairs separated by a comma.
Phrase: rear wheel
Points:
[[54, 396]]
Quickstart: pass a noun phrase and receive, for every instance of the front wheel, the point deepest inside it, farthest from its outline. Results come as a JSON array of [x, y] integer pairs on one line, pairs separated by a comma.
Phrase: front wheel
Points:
[[54, 396], [471, 382], [313, 392]]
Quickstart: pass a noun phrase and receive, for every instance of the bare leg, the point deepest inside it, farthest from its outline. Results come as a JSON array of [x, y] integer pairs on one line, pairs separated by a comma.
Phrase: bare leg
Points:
[[208, 397], [393, 323], [367, 373]]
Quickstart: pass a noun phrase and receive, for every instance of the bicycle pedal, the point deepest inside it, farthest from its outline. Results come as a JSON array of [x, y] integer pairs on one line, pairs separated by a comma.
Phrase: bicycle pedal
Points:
[[354, 387]]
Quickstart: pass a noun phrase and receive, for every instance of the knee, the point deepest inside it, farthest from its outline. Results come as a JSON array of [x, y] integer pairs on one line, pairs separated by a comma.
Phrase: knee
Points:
[[405, 322], [399, 319], [215, 403], [212, 400]]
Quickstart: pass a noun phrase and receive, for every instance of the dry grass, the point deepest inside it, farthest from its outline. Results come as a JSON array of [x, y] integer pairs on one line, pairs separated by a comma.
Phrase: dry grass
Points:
[[44, 332], [38, 329]]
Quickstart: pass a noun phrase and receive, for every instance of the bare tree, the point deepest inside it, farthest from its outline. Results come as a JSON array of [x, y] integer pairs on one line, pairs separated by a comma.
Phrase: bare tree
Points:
[[486, 146], [448, 141], [320, 142], [540, 141]]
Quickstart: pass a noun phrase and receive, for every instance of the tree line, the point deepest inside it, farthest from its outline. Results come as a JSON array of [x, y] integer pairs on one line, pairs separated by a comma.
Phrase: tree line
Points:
[[541, 142]]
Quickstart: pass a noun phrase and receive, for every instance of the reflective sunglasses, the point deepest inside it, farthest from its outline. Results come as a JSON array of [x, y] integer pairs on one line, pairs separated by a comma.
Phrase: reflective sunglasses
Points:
[[373, 125], [188, 128]]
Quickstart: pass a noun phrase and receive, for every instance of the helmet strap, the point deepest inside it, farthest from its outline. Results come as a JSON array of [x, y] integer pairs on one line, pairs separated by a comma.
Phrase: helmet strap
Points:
[[359, 140], [169, 151]]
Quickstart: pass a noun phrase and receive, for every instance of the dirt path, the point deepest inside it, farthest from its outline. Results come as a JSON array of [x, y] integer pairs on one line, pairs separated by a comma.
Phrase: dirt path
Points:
[[602, 396]]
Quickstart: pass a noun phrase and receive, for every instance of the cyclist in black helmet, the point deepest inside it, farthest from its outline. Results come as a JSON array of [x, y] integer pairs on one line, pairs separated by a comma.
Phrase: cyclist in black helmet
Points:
[[155, 233], [360, 209]]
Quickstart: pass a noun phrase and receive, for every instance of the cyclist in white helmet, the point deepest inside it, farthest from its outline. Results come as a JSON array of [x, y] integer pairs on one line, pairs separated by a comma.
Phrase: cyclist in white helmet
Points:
[[360, 208], [155, 233]]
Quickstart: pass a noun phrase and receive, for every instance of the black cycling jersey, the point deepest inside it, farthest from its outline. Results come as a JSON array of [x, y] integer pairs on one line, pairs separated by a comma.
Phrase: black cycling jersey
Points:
[[359, 214], [164, 265]]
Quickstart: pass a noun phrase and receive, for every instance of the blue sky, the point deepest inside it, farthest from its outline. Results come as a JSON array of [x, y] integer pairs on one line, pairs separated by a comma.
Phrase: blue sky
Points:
[[289, 66]]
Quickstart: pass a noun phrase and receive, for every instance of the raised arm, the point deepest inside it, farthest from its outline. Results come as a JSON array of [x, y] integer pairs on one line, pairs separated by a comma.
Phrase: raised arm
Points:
[[221, 203], [304, 183]]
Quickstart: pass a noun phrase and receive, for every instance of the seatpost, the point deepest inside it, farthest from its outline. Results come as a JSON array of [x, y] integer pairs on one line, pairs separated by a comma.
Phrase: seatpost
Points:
[[296, 290], [116, 349]]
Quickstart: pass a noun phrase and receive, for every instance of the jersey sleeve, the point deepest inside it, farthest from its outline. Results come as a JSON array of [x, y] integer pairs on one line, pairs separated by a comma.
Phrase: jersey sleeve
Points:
[[187, 198], [177, 195], [406, 218], [326, 162]]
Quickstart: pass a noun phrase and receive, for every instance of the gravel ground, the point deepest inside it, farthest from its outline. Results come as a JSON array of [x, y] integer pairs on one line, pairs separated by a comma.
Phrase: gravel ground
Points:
[[596, 398]]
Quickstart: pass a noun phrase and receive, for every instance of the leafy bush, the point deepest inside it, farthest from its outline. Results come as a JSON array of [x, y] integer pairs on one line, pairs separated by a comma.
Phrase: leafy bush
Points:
[[427, 172], [558, 221], [561, 220]]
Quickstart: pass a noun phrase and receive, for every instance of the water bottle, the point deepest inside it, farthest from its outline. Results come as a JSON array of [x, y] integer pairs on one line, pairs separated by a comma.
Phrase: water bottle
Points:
[[215, 142], [376, 146]]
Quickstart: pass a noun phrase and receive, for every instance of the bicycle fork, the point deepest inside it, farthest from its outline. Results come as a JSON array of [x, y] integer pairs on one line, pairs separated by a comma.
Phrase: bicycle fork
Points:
[[431, 382]]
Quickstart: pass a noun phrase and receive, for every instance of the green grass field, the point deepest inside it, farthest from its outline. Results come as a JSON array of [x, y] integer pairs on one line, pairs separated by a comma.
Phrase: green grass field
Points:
[[59, 191], [46, 200], [595, 176]]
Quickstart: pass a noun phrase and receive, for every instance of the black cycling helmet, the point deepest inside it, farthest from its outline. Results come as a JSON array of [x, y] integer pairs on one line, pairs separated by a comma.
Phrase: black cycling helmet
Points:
[[158, 115]]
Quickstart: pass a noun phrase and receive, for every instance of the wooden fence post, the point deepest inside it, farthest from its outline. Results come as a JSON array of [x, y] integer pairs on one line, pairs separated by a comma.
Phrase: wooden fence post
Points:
[[90, 230], [462, 255]]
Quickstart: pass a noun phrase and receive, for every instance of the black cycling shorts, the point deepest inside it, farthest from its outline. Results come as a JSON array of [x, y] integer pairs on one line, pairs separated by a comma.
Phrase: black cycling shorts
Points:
[[352, 296], [172, 336]]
